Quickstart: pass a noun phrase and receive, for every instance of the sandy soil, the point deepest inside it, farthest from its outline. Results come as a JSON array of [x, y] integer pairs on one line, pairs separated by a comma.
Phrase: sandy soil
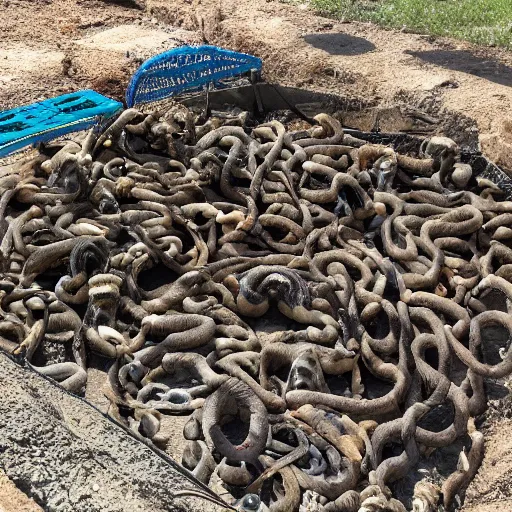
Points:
[[12, 499], [50, 47], [57, 46], [361, 60]]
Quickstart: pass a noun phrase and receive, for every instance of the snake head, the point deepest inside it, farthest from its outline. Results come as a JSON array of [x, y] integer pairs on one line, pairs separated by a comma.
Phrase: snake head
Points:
[[250, 503]]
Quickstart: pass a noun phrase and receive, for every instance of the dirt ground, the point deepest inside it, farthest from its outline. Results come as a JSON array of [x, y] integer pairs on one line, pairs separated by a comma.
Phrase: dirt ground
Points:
[[56, 46], [12, 499], [50, 47]]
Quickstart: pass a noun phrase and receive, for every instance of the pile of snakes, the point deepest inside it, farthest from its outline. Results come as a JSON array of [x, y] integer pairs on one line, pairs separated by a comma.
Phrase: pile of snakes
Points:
[[259, 278]]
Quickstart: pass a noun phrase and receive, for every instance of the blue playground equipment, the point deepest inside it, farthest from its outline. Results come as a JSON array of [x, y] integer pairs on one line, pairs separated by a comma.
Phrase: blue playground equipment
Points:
[[182, 70]]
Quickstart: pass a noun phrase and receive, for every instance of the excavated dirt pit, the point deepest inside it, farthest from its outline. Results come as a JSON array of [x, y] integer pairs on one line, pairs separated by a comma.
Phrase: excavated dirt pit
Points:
[[437, 465], [99, 45]]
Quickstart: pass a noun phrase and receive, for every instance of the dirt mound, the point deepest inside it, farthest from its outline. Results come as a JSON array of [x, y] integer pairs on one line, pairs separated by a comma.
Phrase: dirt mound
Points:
[[440, 76]]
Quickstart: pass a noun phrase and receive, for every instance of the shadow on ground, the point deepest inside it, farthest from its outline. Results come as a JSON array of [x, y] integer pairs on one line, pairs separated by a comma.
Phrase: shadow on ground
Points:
[[339, 43], [465, 61]]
